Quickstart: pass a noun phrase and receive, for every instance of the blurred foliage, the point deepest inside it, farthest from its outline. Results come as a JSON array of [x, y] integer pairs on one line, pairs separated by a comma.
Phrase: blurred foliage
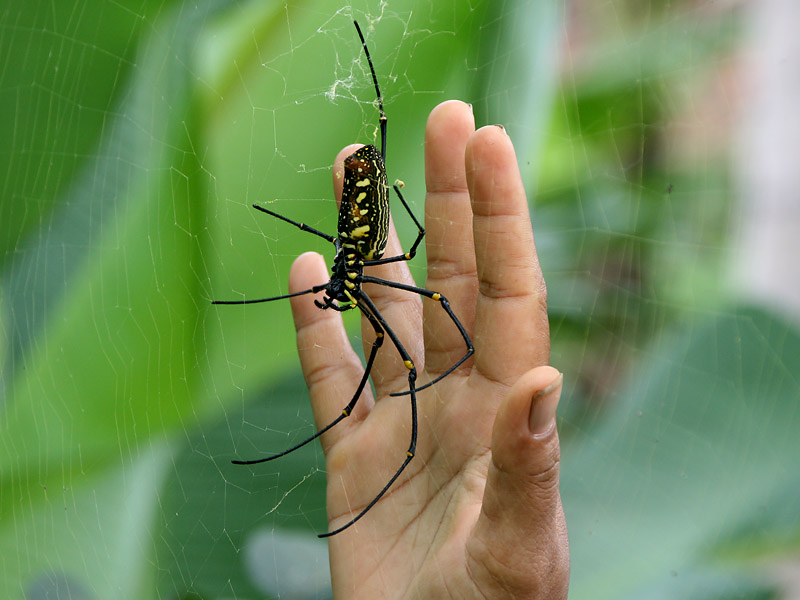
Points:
[[694, 462], [140, 134], [631, 231]]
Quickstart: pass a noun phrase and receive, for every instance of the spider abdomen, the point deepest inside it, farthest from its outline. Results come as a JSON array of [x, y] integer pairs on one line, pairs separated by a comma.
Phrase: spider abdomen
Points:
[[364, 212]]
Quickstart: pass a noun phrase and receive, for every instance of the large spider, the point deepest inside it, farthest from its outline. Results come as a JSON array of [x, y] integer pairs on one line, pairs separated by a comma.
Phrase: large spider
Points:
[[360, 242]]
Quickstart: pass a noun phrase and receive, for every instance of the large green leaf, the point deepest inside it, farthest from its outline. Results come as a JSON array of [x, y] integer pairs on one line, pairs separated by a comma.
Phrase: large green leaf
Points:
[[64, 66], [699, 448], [100, 310]]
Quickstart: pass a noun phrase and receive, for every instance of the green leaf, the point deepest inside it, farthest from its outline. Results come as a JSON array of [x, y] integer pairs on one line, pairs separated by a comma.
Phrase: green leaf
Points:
[[703, 439], [102, 352], [63, 67]]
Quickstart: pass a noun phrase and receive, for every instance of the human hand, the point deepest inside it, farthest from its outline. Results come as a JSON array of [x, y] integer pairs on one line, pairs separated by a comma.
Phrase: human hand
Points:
[[477, 513]]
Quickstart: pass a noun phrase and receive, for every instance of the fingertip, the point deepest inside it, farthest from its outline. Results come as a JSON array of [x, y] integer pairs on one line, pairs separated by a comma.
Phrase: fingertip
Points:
[[486, 140], [493, 175], [490, 146], [452, 110], [544, 401], [307, 270], [524, 436], [449, 127], [338, 162], [489, 135], [338, 170]]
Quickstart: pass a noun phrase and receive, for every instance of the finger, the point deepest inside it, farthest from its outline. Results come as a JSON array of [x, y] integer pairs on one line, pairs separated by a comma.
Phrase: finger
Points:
[[511, 328], [401, 310], [331, 368], [522, 520], [449, 245]]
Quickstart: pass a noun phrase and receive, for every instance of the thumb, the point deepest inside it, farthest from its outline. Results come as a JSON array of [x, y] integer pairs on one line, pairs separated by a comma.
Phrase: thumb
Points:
[[522, 520], [525, 450]]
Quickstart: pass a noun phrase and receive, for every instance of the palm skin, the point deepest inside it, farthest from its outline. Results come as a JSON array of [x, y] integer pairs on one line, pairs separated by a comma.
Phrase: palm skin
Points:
[[477, 513]]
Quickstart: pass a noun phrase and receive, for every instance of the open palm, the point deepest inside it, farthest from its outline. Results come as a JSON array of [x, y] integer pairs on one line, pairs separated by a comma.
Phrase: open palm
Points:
[[477, 513]]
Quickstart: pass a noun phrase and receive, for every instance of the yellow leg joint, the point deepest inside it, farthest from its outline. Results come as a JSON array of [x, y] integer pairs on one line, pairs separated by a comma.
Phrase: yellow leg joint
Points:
[[346, 412], [410, 454], [437, 296], [409, 365]]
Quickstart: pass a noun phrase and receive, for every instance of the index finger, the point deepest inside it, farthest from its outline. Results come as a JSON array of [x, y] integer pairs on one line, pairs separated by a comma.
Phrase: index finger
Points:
[[512, 333]]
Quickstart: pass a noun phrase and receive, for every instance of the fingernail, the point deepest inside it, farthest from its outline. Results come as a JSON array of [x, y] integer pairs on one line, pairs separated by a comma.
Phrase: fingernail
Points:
[[471, 109], [543, 407], [503, 129]]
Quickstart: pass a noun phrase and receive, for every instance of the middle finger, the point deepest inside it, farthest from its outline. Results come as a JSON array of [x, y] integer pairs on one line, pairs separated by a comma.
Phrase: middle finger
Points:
[[448, 217]]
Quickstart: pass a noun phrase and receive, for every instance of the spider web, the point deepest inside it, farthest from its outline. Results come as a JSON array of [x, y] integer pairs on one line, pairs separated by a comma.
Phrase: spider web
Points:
[[138, 134]]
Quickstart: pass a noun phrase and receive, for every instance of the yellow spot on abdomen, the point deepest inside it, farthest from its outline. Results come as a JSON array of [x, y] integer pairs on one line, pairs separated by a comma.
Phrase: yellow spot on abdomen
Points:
[[360, 232]]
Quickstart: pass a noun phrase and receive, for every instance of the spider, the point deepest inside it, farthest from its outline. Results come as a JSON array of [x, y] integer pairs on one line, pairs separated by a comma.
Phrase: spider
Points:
[[360, 242]]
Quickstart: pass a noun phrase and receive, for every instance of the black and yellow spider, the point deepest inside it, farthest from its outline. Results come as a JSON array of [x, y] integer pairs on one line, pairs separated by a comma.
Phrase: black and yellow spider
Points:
[[361, 240]]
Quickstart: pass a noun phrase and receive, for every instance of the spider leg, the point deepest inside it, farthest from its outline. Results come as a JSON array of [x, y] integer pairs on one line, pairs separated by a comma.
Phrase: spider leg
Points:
[[413, 251], [377, 91], [300, 226], [313, 290], [446, 306], [377, 318], [347, 410]]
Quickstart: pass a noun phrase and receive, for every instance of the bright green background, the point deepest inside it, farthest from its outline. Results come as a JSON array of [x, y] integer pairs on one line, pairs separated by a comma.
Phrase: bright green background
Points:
[[137, 134]]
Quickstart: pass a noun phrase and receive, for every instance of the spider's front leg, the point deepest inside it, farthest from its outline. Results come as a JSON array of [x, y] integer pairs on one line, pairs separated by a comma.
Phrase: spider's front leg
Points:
[[300, 226]]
